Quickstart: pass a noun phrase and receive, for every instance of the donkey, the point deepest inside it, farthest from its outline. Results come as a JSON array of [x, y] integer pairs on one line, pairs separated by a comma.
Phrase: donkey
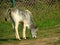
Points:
[[24, 16]]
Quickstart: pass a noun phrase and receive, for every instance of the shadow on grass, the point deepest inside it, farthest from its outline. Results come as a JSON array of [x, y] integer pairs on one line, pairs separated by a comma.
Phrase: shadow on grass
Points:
[[7, 39], [12, 39]]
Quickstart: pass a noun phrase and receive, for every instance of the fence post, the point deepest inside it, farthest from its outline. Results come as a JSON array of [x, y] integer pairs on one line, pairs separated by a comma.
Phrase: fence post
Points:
[[13, 3]]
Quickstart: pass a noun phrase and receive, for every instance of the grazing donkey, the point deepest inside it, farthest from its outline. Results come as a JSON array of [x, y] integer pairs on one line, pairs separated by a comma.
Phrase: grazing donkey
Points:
[[24, 16]]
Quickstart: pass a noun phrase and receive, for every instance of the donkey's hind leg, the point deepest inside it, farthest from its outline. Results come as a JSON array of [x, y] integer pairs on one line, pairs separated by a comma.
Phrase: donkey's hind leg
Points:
[[24, 30], [16, 31]]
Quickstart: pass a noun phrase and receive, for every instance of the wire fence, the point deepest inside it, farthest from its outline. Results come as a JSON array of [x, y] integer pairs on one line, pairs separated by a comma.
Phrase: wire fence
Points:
[[26, 3], [37, 7]]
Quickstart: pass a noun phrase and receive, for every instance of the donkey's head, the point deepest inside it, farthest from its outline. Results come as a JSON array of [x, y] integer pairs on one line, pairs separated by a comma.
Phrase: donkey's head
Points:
[[34, 30]]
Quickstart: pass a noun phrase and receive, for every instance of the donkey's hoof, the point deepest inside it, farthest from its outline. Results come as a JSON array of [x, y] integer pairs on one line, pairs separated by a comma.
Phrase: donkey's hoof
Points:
[[18, 38], [24, 37]]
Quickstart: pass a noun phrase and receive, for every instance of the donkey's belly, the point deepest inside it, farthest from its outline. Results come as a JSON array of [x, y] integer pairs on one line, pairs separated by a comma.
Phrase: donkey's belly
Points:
[[16, 17]]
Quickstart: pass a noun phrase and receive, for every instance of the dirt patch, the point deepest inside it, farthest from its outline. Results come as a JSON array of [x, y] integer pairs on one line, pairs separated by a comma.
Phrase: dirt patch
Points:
[[41, 41]]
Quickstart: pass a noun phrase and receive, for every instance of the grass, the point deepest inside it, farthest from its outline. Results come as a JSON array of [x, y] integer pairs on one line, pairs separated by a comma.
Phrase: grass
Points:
[[7, 34]]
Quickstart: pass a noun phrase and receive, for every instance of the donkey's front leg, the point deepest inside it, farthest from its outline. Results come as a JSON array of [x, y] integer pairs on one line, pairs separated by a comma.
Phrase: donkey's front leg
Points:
[[24, 31], [16, 31]]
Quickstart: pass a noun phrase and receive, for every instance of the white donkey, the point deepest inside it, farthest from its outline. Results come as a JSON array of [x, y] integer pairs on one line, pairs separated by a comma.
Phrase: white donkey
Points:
[[24, 16]]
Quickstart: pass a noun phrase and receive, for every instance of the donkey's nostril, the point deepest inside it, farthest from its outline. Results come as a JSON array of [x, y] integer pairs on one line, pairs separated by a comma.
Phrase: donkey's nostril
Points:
[[34, 37]]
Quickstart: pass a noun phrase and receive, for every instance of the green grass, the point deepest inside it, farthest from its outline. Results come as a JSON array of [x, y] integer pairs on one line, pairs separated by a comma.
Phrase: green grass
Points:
[[6, 30]]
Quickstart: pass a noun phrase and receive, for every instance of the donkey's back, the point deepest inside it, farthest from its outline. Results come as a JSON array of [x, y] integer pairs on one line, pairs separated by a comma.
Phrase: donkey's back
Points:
[[20, 15]]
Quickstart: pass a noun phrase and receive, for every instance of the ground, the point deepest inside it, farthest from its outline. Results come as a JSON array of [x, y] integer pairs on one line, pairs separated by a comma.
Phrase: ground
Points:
[[41, 41], [52, 40]]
